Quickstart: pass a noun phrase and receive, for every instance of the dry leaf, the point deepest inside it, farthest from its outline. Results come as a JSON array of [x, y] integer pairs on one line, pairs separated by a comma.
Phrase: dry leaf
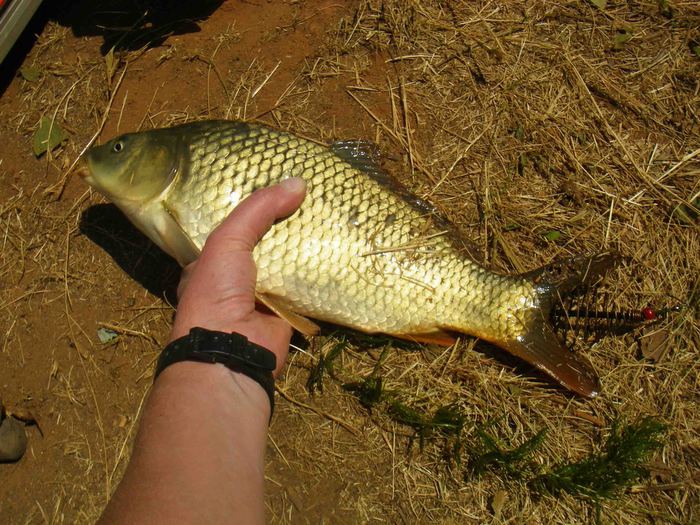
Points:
[[29, 73], [110, 65], [499, 499], [655, 345]]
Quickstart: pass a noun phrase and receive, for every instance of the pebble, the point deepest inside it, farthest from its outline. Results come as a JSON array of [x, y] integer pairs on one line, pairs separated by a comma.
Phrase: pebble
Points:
[[13, 440]]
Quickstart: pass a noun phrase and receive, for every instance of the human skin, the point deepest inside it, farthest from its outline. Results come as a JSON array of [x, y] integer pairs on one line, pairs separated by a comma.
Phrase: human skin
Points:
[[198, 455]]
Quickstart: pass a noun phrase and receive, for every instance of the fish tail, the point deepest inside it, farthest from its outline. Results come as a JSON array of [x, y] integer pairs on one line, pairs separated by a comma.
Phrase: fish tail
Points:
[[539, 343]]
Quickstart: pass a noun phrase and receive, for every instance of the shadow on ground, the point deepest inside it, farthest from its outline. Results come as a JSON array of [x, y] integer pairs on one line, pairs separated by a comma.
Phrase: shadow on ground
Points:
[[123, 25], [363, 341], [131, 25], [142, 260]]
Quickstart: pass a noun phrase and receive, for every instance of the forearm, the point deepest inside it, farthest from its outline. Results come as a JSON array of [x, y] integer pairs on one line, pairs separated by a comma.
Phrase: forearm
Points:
[[199, 453]]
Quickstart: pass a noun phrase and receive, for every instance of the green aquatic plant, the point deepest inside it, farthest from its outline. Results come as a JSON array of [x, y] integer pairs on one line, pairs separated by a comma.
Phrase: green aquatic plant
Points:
[[606, 473], [368, 391], [490, 454], [325, 365]]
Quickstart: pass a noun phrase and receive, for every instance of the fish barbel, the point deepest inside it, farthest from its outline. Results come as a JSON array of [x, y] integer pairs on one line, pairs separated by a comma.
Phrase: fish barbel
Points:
[[360, 252]]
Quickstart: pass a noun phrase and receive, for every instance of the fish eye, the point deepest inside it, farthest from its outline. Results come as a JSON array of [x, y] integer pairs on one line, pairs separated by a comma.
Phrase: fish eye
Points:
[[118, 146]]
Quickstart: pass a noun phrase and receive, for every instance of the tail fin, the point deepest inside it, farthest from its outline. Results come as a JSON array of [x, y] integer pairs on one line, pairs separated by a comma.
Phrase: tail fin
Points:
[[540, 345], [569, 274], [542, 348]]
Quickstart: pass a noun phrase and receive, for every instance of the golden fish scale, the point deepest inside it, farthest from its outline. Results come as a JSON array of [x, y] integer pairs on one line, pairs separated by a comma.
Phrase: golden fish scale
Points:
[[356, 253]]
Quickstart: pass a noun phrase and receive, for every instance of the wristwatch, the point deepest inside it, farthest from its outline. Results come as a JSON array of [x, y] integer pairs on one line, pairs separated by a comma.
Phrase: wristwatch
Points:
[[232, 350]]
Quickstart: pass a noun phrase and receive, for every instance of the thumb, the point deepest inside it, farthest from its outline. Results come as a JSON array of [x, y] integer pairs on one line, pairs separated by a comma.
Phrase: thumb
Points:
[[254, 216], [220, 285]]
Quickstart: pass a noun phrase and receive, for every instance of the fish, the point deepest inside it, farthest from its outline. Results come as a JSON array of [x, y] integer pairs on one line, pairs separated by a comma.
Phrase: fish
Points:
[[361, 251]]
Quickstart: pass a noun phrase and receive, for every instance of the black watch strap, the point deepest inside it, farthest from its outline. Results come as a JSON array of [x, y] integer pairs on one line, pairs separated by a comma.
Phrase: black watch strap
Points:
[[232, 350]]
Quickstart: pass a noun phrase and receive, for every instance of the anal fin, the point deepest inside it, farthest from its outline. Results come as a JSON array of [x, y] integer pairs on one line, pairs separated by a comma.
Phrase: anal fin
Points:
[[298, 322], [436, 337]]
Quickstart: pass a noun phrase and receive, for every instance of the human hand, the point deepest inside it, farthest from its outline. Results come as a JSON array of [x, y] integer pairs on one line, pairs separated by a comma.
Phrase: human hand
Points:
[[217, 291]]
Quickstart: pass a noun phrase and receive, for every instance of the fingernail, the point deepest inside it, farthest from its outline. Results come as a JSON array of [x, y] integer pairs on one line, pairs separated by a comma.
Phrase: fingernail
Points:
[[294, 185]]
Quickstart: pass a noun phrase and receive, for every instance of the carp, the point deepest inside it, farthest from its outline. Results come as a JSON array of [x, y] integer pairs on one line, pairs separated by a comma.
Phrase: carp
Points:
[[360, 252]]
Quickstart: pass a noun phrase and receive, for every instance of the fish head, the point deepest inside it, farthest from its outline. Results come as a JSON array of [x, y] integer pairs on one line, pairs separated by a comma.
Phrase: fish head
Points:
[[133, 168]]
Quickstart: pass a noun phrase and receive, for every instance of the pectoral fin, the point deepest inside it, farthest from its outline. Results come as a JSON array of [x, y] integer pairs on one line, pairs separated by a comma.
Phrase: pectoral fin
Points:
[[298, 322], [172, 238]]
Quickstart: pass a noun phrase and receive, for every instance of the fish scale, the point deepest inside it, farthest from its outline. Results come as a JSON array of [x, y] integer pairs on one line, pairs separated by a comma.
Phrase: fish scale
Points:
[[359, 251]]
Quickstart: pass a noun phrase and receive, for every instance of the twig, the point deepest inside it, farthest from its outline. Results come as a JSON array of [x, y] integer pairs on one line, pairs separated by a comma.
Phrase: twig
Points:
[[267, 78], [128, 435], [679, 164], [57, 189], [318, 411]]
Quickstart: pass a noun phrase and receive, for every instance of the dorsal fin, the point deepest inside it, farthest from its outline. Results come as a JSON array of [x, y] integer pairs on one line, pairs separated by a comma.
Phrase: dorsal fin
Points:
[[366, 156], [363, 155]]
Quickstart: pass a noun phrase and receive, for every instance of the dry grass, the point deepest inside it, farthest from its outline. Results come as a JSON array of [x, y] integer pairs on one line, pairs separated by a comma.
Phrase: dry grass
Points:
[[514, 118]]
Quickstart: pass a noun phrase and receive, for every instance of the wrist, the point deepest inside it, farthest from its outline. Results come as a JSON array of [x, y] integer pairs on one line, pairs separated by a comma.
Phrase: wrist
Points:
[[198, 456], [219, 382], [232, 350]]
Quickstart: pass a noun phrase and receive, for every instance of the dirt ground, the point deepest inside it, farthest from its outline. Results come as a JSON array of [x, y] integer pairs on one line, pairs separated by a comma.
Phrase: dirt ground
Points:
[[543, 131]]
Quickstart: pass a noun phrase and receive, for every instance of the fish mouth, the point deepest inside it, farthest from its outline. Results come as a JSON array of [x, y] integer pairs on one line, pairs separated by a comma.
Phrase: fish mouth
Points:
[[83, 171]]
